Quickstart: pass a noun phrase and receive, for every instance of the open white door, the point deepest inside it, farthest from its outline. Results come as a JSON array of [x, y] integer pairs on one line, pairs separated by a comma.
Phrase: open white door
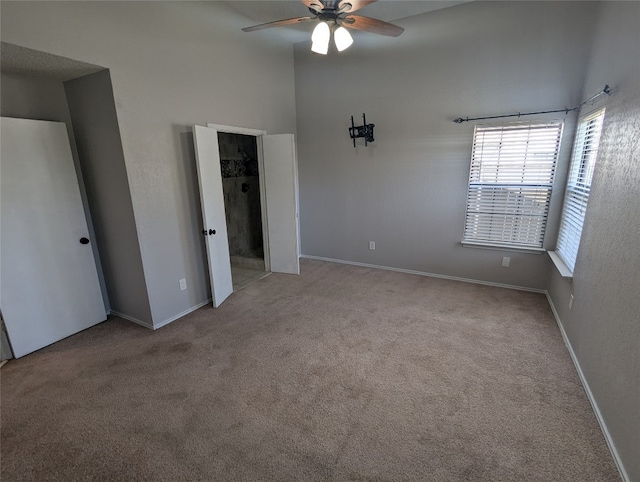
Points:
[[213, 214], [50, 288], [281, 194]]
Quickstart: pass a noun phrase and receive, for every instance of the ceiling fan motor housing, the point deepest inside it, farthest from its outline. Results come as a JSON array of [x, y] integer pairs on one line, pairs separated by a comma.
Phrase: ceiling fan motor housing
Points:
[[329, 17]]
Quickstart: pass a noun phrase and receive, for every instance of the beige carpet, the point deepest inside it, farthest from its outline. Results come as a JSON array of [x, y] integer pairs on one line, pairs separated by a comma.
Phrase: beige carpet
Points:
[[342, 373]]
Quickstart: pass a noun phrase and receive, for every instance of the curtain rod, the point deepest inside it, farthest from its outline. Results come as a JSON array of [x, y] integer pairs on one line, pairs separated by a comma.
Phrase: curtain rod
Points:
[[606, 90]]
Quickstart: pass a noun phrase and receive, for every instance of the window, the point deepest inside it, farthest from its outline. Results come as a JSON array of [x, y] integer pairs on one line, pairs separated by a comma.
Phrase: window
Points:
[[510, 181], [576, 196]]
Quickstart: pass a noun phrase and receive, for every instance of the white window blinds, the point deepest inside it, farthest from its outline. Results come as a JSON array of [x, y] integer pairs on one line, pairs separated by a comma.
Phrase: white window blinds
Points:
[[583, 161], [510, 181]]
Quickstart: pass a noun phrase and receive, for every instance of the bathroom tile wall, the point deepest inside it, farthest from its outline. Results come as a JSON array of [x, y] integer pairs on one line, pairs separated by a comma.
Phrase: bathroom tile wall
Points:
[[240, 183]]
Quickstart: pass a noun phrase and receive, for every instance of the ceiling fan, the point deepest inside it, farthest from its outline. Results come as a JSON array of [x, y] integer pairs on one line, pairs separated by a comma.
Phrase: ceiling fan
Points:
[[335, 16]]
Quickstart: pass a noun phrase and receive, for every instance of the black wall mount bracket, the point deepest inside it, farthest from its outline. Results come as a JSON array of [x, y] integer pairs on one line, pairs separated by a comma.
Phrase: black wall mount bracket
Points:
[[365, 130]]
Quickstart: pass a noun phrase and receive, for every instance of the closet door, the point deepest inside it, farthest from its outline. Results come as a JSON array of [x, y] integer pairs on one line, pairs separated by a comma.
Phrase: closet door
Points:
[[281, 182], [213, 214], [50, 288]]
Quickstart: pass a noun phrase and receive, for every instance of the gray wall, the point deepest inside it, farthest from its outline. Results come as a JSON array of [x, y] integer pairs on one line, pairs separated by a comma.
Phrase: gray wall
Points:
[[37, 98], [172, 64], [33, 98], [603, 326], [93, 114], [407, 190], [42, 98]]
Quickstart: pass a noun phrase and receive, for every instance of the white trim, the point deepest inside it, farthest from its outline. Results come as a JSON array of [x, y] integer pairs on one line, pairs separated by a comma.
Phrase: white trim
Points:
[[237, 130], [180, 315], [502, 247], [263, 204], [562, 268], [162, 323], [131, 318], [423, 273], [587, 389]]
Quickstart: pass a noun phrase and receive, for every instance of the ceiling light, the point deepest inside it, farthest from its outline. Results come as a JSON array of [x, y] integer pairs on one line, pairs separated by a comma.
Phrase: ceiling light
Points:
[[320, 38], [342, 38], [320, 48], [321, 33]]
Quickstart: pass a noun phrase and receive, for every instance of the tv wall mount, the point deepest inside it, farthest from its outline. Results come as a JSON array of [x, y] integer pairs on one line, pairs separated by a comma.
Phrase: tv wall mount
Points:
[[365, 130]]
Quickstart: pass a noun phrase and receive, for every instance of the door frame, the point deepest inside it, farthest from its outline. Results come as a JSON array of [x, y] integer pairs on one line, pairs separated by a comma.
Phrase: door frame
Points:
[[257, 133]]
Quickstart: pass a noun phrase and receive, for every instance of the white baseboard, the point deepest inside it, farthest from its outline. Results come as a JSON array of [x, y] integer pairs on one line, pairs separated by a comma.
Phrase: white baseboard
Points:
[[162, 323], [587, 389], [180, 315], [423, 273], [131, 318]]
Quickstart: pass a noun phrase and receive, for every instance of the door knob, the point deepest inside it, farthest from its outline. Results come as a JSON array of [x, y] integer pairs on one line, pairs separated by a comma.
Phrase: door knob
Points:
[[204, 231], [84, 241], [212, 231]]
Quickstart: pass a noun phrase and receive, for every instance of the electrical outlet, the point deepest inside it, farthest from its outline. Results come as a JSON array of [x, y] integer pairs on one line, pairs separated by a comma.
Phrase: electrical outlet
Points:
[[183, 284], [506, 261], [570, 302], [372, 245]]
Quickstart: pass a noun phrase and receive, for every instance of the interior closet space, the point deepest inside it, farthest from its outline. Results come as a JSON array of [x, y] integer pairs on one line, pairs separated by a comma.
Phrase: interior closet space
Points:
[[243, 211]]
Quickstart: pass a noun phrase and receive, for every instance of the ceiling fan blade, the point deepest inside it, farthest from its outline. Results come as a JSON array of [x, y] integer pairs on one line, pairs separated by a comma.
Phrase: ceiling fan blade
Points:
[[278, 23], [315, 5], [355, 5], [358, 22]]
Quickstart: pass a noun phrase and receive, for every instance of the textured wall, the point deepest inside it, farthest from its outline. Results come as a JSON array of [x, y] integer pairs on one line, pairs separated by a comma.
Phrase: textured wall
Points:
[[603, 326], [95, 124], [33, 98], [407, 190], [173, 65]]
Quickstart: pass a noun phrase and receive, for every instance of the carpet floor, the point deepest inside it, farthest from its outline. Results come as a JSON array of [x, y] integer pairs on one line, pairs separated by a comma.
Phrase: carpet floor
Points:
[[341, 373]]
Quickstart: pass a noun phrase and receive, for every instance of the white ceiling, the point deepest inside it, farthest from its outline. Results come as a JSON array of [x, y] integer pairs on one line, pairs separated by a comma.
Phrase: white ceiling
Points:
[[263, 11], [21, 60]]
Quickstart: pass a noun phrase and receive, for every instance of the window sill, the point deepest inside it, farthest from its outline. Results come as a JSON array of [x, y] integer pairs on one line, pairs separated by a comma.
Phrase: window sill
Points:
[[562, 268], [503, 247]]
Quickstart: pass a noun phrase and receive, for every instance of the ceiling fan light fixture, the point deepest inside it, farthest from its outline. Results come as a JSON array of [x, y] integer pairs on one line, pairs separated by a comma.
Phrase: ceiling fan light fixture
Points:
[[342, 38], [332, 16], [321, 34], [319, 48], [320, 38]]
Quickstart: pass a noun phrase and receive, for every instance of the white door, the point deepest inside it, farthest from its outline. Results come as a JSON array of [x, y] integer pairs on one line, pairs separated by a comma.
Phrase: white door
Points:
[[50, 288], [213, 214], [281, 194]]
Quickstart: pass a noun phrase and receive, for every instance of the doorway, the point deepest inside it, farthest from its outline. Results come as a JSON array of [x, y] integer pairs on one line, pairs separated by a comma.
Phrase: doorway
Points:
[[243, 210], [278, 181]]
